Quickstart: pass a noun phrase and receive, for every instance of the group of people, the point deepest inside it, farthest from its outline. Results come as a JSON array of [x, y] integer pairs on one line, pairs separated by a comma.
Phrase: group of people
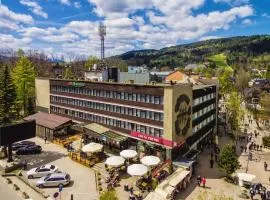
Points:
[[201, 181], [259, 189]]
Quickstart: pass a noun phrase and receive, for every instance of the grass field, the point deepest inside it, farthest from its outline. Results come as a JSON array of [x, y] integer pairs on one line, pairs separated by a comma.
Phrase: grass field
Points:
[[219, 59]]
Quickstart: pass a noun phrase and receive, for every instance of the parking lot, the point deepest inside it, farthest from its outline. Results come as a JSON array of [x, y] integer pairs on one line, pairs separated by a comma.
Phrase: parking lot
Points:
[[83, 184]]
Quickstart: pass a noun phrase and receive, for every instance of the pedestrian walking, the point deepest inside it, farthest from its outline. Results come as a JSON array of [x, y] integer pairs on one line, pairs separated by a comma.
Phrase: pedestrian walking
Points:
[[265, 166], [45, 139], [199, 180], [203, 181], [252, 193], [212, 155], [211, 163]]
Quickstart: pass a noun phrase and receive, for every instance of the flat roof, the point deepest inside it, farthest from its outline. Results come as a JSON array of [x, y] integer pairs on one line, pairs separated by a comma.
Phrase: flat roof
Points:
[[47, 120]]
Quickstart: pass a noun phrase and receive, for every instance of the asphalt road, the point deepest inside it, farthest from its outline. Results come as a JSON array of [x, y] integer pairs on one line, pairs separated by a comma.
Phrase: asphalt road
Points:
[[6, 192]]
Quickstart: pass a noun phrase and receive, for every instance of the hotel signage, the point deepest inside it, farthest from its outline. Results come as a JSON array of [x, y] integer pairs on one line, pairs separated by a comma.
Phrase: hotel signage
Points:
[[151, 138], [75, 84]]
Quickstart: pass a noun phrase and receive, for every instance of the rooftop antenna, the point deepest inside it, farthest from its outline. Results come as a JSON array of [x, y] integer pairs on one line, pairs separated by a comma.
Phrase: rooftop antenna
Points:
[[102, 34]]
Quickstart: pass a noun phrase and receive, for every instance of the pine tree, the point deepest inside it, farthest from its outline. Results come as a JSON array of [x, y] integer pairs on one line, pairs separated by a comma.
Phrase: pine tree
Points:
[[7, 96], [24, 79]]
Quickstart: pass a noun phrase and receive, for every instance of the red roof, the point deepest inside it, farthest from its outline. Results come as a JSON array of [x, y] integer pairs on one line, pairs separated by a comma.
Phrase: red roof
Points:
[[47, 120]]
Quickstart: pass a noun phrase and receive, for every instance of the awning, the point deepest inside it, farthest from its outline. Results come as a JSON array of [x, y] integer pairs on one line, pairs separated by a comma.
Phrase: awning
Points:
[[104, 133], [177, 178], [154, 195], [48, 120]]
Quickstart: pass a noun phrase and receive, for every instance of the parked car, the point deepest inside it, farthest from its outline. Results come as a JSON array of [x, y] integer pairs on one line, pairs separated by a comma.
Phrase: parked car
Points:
[[54, 180], [32, 149], [41, 171], [18, 145]]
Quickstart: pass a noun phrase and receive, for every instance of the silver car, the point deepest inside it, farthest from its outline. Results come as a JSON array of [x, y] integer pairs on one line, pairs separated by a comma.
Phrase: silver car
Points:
[[54, 180], [41, 171]]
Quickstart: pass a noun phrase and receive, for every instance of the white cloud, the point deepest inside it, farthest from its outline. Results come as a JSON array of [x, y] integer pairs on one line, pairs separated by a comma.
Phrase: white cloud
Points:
[[210, 37], [9, 41], [247, 22], [266, 15], [65, 2], [7, 14], [77, 4], [233, 2], [34, 7]]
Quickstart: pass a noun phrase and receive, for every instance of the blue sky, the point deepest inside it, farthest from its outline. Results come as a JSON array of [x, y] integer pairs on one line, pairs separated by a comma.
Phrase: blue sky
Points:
[[70, 27]]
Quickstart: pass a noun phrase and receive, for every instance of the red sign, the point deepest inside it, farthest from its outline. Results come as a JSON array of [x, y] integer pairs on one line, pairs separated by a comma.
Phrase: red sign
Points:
[[151, 138]]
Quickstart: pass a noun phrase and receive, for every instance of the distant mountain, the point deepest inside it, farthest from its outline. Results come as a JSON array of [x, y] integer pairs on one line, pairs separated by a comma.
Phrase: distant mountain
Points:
[[242, 49]]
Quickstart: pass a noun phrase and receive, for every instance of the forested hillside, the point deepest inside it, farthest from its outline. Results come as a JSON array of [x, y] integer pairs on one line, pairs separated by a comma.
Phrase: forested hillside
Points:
[[249, 50]]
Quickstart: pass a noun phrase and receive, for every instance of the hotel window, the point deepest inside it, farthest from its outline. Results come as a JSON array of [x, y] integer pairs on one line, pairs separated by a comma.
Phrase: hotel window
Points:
[[156, 100], [152, 99], [161, 116], [118, 95], [130, 111], [134, 97], [147, 130], [138, 113], [122, 95], [118, 109], [111, 94], [138, 97], [130, 96], [143, 114], [138, 128], [152, 131], [142, 98], [161, 133], [118, 123], [157, 132], [161, 100], [126, 96], [143, 129], [147, 98]]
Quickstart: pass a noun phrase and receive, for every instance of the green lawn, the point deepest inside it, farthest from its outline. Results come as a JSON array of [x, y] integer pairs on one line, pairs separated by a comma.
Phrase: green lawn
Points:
[[262, 58], [219, 59]]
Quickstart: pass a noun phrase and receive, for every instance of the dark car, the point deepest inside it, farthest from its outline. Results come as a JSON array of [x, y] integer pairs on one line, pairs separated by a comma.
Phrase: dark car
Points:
[[18, 145], [31, 149]]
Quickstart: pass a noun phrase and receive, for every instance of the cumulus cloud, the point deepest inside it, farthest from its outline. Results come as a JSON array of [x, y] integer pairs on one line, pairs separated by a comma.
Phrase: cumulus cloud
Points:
[[210, 37], [65, 2], [7, 14], [77, 4], [9, 41], [233, 2], [34, 7], [247, 22]]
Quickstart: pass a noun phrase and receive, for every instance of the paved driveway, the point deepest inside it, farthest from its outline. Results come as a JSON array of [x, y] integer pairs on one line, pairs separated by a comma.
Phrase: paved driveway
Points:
[[83, 186]]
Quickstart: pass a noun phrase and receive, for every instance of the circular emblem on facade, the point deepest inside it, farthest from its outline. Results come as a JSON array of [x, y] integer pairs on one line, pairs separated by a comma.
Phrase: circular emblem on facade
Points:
[[183, 115]]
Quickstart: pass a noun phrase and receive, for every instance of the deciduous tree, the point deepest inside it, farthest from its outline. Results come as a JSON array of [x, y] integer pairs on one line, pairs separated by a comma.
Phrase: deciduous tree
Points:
[[90, 62], [24, 80]]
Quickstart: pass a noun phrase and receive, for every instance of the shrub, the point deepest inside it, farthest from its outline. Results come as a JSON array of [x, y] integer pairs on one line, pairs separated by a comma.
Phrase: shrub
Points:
[[16, 187], [109, 195], [9, 181], [100, 188], [154, 183], [266, 141], [25, 195]]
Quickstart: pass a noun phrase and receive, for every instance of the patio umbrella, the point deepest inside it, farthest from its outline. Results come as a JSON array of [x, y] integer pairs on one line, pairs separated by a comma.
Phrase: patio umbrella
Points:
[[150, 161], [128, 153], [115, 161], [137, 170], [92, 148]]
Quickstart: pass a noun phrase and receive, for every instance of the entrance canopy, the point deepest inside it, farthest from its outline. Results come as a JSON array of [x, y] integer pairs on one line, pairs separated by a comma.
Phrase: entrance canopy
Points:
[[103, 133]]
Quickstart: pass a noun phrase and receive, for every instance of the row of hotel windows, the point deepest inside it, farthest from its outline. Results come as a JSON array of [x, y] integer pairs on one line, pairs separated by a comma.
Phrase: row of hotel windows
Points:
[[203, 111], [145, 98], [203, 99], [109, 121], [203, 123], [111, 108]]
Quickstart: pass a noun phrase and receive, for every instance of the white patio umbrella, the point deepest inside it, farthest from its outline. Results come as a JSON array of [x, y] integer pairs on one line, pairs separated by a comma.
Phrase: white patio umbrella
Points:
[[115, 161], [150, 161], [128, 153], [92, 148], [137, 170]]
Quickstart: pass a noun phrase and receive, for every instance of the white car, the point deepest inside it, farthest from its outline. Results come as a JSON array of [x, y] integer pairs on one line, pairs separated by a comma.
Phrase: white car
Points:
[[41, 171], [54, 180]]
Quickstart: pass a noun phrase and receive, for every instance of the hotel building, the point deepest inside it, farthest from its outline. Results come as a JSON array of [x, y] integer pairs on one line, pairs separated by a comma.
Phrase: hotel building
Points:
[[167, 117]]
